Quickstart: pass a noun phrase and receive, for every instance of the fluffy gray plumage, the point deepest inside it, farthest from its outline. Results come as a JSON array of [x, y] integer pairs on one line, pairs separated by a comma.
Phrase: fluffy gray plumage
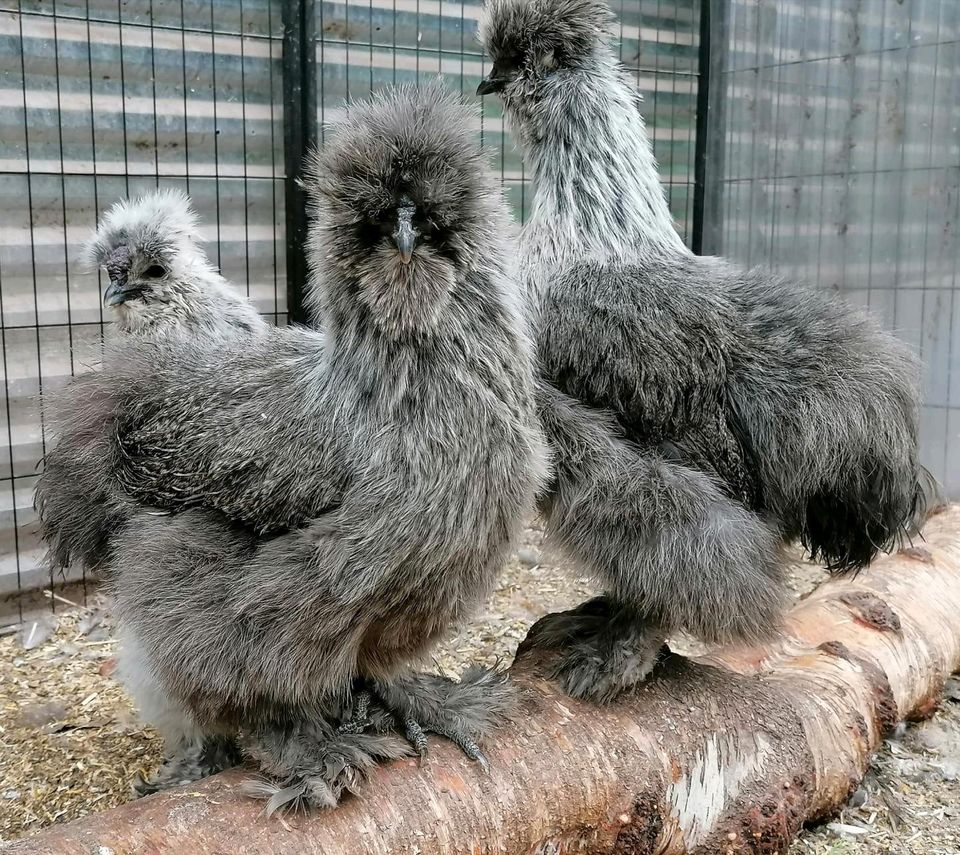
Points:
[[701, 415], [330, 503], [160, 279], [161, 283]]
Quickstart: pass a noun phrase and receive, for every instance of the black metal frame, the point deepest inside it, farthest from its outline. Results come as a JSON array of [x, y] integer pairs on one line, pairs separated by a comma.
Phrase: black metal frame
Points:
[[299, 139], [708, 156]]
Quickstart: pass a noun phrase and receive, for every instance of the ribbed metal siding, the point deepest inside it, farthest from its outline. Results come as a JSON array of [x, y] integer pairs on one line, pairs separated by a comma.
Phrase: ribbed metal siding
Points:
[[99, 101], [103, 99], [367, 44], [842, 166]]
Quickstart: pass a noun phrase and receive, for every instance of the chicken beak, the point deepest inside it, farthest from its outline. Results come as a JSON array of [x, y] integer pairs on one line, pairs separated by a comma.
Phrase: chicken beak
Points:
[[117, 265], [495, 81], [491, 85], [406, 235], [115, 295]]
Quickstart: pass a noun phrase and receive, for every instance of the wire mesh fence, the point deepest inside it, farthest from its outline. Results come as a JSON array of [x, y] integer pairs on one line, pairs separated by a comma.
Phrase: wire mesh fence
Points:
[[838, 161], [364, 45], [103, 99], [824, 143], [100, 101]]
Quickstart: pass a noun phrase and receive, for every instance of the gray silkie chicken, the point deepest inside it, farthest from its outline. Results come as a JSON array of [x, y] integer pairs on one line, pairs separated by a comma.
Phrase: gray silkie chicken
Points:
[[701, 415], [161, 280], [161, 283], [305, 515]]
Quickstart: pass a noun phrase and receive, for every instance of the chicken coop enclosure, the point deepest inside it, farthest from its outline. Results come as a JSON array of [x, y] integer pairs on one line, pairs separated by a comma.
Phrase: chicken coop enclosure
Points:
[[817, 137]]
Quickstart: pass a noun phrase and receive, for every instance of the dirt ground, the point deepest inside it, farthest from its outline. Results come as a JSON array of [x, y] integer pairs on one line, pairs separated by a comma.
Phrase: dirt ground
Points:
[[70, 742]]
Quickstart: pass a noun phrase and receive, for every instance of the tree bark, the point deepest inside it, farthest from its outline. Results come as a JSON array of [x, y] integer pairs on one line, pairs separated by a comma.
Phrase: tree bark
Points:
[[727, 754]]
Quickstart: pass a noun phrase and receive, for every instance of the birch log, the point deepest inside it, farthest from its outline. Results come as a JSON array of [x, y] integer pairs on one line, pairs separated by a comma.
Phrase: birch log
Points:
[[730, 754]]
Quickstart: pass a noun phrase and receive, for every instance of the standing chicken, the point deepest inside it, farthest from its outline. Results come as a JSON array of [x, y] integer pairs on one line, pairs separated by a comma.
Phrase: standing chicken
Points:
[[701, 415], [161, 283], [333, 503]]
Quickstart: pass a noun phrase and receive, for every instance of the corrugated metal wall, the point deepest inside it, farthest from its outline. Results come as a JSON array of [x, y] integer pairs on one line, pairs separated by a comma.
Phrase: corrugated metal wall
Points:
[[840, 163], [103, 99], [366, 44]]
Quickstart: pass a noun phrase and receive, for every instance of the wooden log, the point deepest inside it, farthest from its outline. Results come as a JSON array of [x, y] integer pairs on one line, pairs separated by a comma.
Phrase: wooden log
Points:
[[730, 754]]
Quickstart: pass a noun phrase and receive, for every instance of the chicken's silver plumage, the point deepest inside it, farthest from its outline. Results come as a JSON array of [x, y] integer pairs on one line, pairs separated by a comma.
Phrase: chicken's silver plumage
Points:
[[160, 284], [160, 279], [701, 415], [331, 503]]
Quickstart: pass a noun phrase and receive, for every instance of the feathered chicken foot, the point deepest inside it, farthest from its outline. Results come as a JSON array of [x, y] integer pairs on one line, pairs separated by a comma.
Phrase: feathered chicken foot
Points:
[[461, 712], [190, 762], [605, 648]]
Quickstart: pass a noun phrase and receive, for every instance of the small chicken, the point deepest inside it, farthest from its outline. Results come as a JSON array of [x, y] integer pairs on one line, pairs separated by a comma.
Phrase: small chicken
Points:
[[160, 283], [160, 278]]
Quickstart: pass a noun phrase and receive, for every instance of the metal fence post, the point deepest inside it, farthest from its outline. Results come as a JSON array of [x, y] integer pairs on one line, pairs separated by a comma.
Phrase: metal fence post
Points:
[[710, 128], [299, 137]]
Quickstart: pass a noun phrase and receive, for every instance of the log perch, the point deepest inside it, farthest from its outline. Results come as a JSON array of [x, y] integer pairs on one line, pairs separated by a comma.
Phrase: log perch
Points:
[[727, 754]]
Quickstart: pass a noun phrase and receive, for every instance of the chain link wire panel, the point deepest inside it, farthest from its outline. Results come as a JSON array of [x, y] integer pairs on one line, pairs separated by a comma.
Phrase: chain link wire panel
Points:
[[838, 162], [102, 99], [364, 45]]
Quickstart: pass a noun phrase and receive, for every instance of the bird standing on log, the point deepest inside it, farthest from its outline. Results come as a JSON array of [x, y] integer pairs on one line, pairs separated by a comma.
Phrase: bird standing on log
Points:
[[306, 514], [701, 415]]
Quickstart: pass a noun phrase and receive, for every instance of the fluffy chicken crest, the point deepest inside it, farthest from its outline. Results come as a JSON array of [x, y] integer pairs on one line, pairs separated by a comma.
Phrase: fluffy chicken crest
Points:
[[160, 279]]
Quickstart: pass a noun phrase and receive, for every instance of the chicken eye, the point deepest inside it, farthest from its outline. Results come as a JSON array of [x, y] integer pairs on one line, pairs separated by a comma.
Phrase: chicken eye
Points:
[[154, 271]]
